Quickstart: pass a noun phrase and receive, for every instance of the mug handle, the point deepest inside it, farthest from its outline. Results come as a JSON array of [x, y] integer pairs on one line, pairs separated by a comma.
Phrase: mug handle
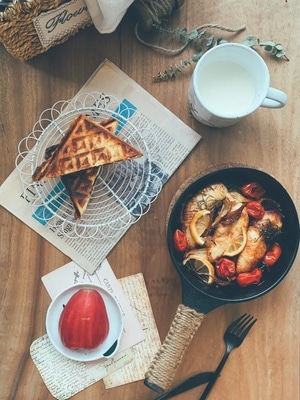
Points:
[[275, 98]]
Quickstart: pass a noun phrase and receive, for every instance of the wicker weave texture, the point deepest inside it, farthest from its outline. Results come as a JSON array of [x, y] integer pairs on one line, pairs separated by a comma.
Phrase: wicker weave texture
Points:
[[17, 31]]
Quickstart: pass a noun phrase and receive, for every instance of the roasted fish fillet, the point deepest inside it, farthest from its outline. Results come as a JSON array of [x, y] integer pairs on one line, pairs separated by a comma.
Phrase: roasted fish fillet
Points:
[[80, 185], [253, 252], [86, 144], [224, 234], [256, 246]]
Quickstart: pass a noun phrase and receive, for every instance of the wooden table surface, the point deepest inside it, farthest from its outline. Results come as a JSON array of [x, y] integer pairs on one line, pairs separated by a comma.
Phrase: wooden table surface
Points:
[[266, 366]]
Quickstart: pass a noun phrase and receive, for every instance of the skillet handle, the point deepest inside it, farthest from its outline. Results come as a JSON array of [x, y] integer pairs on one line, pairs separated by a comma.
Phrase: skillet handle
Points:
[[164, 365]]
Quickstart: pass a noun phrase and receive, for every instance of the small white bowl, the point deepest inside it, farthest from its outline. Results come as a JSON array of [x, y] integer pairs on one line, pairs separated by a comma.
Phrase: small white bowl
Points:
[[106, 349]]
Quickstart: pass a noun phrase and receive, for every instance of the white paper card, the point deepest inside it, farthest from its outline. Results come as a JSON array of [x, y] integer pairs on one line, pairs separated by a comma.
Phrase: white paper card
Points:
[[64, 378], [143, 353]]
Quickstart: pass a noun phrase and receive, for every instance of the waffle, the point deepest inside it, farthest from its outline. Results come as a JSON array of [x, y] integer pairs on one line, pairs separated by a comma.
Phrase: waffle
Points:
[[86, 144], [80, 185]]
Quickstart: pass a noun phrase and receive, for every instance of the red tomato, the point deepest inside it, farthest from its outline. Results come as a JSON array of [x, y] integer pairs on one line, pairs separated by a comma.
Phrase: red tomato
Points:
[[225, 268], [255, 209], [253, 190], [248, 278], [180, 240], [272, 255], [83, 323]]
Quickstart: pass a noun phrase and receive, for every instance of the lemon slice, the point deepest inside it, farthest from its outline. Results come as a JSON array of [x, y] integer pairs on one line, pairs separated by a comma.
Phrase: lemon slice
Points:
[[198, 225], [237, 243], [202, 267]]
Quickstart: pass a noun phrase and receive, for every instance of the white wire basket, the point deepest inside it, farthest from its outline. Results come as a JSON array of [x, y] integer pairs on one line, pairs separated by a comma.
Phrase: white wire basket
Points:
[[123, 191]]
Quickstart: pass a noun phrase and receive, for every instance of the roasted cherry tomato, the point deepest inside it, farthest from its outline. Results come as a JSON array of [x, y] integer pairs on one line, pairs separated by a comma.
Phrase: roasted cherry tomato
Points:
[[253, 190], [248, 278], [84, 323], [272, 255], [180, 240], [225, 268], [255, 209]]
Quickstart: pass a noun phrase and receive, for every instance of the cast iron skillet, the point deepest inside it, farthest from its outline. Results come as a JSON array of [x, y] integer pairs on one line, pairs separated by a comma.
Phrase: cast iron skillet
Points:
[[199, 298]]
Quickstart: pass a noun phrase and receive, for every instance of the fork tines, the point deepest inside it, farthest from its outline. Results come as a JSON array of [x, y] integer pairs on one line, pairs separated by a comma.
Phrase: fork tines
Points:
[[242, 325]]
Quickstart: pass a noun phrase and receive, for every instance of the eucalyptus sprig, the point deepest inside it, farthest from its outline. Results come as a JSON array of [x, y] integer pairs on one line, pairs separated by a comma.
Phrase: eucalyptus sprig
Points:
[[275, 49], [204, 43], [185, 37]]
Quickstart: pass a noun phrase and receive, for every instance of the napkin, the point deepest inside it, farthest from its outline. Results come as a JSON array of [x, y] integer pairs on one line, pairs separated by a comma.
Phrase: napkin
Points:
[[107, 14]]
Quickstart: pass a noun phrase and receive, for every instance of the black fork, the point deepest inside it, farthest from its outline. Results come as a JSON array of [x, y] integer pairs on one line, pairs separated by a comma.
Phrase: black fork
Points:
[[233, 337]]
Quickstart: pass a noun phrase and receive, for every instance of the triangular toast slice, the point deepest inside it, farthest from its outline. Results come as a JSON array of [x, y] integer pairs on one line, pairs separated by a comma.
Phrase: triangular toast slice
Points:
[[86, 144], [80, 185]]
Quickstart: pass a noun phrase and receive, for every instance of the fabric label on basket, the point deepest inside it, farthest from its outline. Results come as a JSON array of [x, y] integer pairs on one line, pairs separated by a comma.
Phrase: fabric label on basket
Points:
[[55, 24]]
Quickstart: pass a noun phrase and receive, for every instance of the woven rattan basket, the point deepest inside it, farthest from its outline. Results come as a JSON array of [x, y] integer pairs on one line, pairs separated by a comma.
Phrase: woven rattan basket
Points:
[[23, 36]]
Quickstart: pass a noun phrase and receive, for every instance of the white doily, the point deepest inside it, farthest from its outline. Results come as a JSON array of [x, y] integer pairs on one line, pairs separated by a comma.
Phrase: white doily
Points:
[[123, 191]]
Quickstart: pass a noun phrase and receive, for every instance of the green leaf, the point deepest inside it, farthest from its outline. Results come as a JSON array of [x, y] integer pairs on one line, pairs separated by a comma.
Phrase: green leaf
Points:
[[273, 52], [221, 41], [200, 34], [183, 35], [196, 57], [250, 41], [193, 35], [210, 41], [267, 47], [281, 54]]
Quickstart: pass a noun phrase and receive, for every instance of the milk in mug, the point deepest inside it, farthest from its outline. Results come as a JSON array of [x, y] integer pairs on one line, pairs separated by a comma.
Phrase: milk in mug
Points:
[[229, 82], [226, 88]]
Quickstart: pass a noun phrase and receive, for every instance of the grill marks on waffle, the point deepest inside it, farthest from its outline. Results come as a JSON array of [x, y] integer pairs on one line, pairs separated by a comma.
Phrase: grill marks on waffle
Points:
[[80, 186], [77, 151], [85, 145], [87, 152]]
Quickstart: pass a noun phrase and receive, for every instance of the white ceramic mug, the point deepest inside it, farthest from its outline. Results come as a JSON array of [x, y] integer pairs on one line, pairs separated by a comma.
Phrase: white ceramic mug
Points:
[[229, 82]]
